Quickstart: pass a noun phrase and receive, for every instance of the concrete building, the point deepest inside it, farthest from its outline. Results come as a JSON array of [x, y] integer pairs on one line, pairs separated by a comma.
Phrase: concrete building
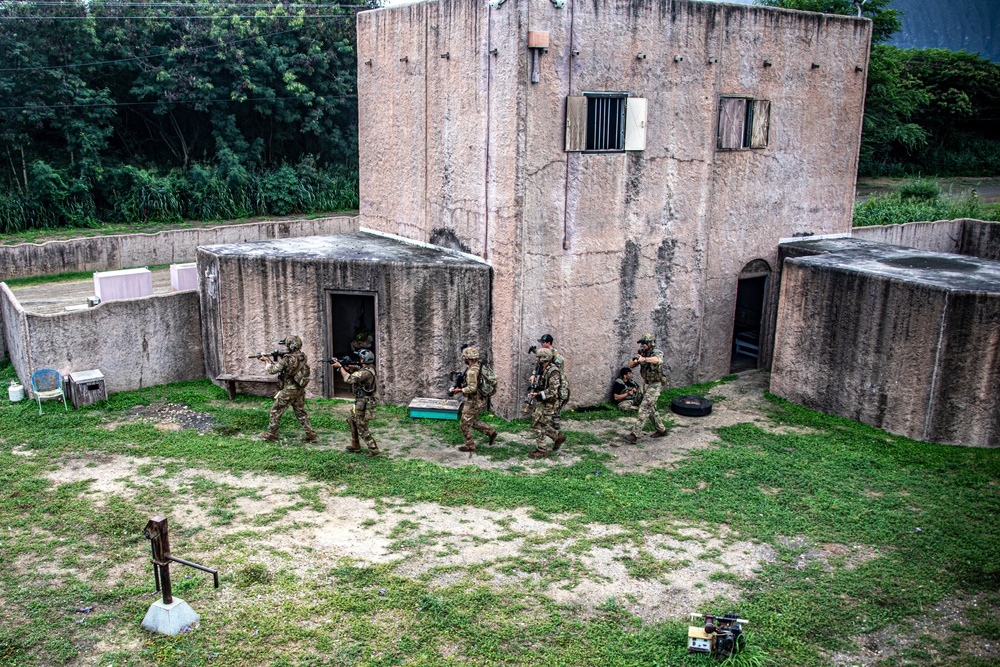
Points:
[[624, 166]]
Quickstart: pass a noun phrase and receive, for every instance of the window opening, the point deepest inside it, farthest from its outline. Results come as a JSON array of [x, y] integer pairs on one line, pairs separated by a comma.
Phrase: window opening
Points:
[[605, 123], [743, 123], [609, 122]]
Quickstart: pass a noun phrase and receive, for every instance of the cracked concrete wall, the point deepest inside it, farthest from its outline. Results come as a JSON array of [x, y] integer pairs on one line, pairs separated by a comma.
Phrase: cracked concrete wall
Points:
[[136, 343], [901, 339], [426, 299], [599, 248]]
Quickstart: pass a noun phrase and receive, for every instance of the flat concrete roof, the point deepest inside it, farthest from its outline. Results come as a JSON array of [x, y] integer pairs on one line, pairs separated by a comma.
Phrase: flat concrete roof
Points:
[[955, 273], [350, 247], [52, 298]]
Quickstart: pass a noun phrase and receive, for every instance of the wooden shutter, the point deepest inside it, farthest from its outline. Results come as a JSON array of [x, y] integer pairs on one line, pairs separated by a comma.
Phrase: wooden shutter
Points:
[[576, 123], [761, 115], [732, 122], [635, 124]]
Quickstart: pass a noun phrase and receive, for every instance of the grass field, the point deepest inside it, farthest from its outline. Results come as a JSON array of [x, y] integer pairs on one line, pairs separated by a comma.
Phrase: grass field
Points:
[[841, 543]]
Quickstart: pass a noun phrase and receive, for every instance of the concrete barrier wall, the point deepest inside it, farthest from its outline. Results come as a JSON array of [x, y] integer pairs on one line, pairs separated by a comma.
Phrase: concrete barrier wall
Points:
[[981, 239], [135, 342], [940, 236], [13, 338], [102, 253]]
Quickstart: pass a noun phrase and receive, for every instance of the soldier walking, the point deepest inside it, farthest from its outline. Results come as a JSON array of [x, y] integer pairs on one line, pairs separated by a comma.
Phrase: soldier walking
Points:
[[293, 376], [547, 401], [650, 363], [559, 361], [475, 402], [365, 384]]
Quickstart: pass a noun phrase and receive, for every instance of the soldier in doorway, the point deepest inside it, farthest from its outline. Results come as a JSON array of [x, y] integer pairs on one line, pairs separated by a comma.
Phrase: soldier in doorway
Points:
[[365, 384], [475, 402], [650, 362], [293, 375], [547, 400], [559, 362]]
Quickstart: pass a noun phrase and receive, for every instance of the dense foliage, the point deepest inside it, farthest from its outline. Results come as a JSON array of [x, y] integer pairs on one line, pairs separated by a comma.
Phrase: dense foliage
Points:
[[122, 112], [927, 111]]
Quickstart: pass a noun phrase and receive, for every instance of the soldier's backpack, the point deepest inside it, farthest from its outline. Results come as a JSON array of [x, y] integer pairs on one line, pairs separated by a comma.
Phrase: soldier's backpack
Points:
[[302, 374], [563, 387], [487, 381]]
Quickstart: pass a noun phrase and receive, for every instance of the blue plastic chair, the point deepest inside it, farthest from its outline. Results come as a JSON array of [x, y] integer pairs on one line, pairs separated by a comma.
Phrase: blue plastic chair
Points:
[[45, 384]]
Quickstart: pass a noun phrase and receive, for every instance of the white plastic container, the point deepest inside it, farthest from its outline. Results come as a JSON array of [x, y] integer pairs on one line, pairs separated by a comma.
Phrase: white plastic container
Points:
[[15, 392]]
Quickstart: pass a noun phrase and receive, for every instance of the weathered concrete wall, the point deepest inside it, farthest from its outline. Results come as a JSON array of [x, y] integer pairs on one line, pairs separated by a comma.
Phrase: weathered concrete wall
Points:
[[135, 342], [981, 239], [904, 340], [120, 251], [940, 236], [13, 331], [598, 248], [428, 302]]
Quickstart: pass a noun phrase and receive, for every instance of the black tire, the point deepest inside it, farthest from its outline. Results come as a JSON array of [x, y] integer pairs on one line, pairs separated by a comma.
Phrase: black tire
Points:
[[691, 406]]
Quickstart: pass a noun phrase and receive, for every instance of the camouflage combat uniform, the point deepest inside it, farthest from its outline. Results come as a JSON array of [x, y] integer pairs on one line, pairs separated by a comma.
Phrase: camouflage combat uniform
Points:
[[475, 403], [546, 408], [652, 375], [290, 394], [365, 385]]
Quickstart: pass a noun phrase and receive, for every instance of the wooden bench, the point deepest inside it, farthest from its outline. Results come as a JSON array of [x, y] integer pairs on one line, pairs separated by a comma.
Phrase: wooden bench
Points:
[[268, 384]]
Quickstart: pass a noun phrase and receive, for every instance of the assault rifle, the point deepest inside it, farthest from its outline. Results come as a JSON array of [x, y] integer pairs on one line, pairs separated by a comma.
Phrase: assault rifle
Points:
[[273, 355], [343, 361], [529, 400], [457, 381]]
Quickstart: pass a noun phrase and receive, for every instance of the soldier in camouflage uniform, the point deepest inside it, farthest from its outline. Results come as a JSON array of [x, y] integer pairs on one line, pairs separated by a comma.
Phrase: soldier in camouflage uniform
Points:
[[650, 363], [475, 403], [293, 376], [365, 385], [559, 361], [547, 400]]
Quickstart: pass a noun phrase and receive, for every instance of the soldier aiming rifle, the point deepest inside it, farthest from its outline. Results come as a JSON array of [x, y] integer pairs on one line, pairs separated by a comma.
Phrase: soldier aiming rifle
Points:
[[293, 376]]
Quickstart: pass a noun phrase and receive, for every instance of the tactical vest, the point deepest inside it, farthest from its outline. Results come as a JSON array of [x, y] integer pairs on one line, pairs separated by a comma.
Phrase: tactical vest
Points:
[[366, 387], [652, 373]]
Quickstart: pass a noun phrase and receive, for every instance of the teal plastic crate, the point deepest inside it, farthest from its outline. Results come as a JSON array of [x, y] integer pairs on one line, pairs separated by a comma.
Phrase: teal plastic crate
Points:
[[435, 408]]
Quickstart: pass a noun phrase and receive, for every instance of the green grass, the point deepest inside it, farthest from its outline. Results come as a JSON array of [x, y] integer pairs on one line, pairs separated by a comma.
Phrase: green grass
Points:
[[830, 481]]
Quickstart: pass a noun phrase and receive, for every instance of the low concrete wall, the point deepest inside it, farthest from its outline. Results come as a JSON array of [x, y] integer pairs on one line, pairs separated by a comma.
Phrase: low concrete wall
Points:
[[940, 236], [102, 253], [13, 332], [135, 342], [900, 339], [981, 239]]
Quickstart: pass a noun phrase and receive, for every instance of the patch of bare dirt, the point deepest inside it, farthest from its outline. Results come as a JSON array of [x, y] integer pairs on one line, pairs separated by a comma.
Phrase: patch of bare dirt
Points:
[[935, 634], [830, 555], [738, 402], [167, 417], [655, 576]]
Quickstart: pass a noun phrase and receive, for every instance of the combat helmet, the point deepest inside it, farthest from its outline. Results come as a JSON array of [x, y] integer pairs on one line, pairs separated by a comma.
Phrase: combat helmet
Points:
[[366, 356], [470, 353], [544, 354], [648, 339], [292, 342]]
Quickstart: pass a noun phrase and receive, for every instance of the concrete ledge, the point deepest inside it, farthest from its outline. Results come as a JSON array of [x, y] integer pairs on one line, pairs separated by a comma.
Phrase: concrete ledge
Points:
[[169, 619]]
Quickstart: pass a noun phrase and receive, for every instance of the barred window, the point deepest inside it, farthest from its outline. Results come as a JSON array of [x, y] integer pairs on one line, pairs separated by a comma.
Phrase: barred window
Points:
[[605, 122]]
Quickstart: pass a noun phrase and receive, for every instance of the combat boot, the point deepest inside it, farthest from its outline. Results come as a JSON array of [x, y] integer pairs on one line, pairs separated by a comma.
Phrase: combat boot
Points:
[[493, 436], [267, 435], [310, 437], [560, 439]]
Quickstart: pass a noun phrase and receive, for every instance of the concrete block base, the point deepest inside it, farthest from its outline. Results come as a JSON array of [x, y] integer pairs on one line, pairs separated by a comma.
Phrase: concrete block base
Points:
[[169, 619]]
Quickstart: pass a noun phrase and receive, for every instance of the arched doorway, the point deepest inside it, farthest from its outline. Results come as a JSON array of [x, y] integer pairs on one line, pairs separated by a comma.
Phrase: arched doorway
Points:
[[751, 292]]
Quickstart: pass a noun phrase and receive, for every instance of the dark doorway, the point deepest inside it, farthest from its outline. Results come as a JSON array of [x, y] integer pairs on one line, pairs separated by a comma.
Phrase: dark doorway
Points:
[[751, 289], [351, 326]]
